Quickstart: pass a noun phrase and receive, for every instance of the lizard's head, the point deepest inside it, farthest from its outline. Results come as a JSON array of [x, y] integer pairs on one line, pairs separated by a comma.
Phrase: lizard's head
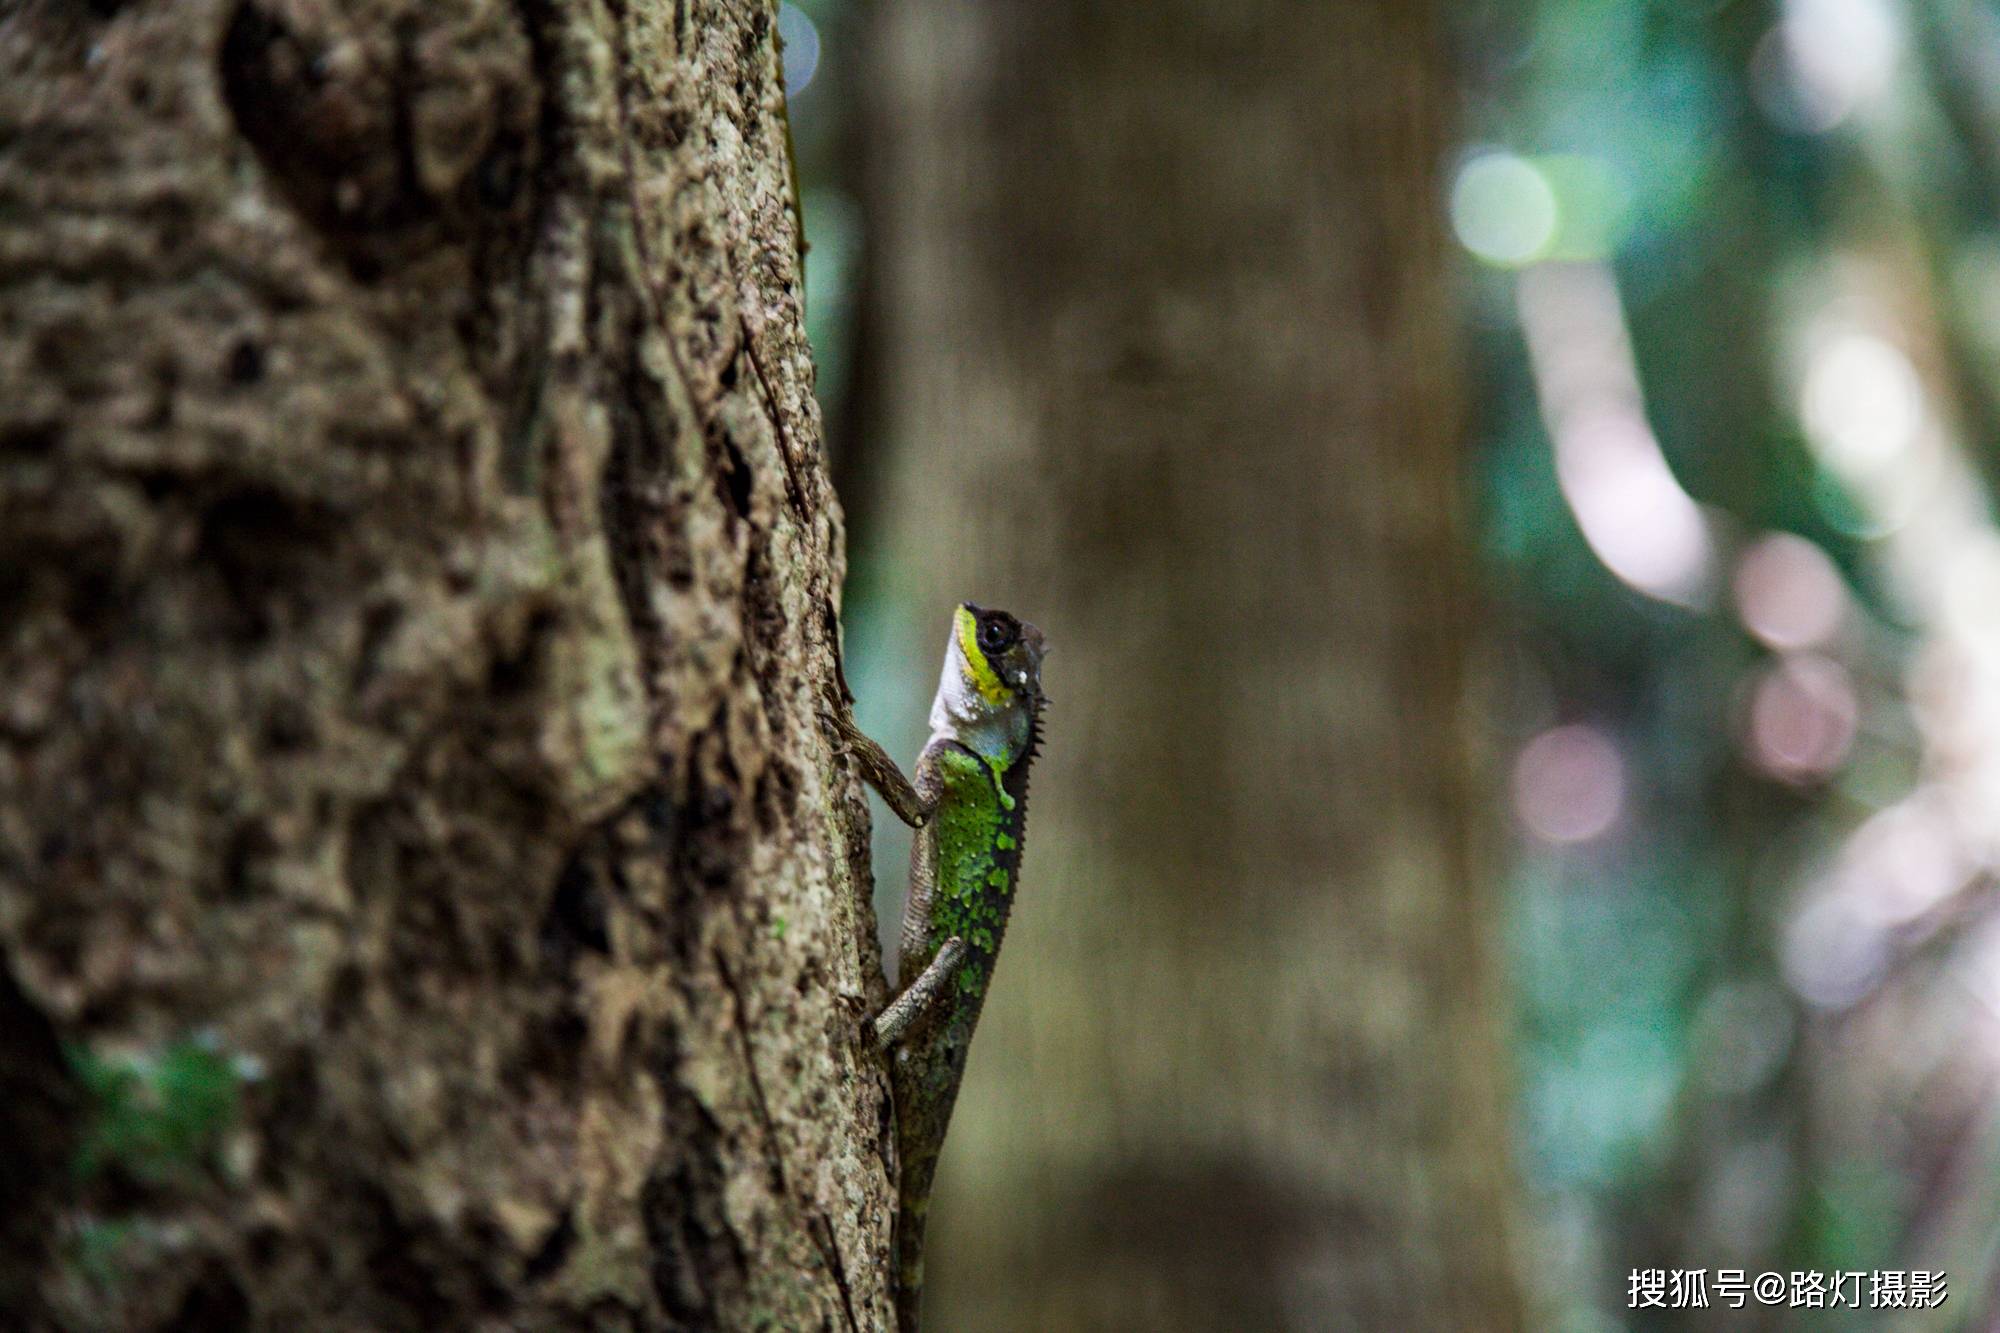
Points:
[[997, 660]]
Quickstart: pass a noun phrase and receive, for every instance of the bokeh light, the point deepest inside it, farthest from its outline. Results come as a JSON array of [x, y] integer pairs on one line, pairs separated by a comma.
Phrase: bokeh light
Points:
[[1824, 61], [1772, 384], [1862, 404], [1503, 208], [1832, 957], [1569, 784], [1906, 860], [1970, 606], [1803, 715], [1788, 592], [1632, 511], [798, 37]]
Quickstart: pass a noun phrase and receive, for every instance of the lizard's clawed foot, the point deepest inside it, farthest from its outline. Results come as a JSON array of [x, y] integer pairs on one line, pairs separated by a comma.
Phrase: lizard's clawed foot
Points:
[[903, 1012]]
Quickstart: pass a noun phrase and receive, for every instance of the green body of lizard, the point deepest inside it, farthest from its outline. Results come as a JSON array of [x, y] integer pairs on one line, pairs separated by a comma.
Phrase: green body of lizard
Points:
[[969, 804]]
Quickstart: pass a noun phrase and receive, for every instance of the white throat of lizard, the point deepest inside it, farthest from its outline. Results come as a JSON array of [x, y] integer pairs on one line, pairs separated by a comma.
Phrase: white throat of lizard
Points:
[[994, 732]]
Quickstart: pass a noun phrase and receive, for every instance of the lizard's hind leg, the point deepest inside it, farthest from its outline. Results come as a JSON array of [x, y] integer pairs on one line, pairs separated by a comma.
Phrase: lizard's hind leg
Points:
[[919, 996]]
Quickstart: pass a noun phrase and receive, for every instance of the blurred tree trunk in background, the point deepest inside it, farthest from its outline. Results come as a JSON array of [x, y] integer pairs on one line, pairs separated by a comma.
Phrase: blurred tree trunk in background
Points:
[[1166, 366], [426, 884]]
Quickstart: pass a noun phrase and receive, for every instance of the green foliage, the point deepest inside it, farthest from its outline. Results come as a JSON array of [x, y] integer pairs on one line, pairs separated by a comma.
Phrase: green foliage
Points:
[[1850, 1216], [1673, 1095], [1605, 1044], [98, 1251], [155, 1116]]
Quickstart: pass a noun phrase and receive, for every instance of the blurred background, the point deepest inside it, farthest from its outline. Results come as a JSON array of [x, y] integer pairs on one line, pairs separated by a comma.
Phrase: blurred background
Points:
[[1508, 490]]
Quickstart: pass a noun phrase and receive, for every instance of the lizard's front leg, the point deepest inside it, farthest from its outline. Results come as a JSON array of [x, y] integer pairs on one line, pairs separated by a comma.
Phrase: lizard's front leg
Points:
[[878, 770]]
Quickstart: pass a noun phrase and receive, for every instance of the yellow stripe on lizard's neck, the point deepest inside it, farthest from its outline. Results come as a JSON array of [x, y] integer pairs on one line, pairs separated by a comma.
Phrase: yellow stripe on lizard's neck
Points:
[[983, 677]]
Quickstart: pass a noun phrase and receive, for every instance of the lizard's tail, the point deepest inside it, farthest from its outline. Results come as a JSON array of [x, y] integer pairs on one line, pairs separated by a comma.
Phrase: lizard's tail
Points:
[[910, 1220], [909, 1275]]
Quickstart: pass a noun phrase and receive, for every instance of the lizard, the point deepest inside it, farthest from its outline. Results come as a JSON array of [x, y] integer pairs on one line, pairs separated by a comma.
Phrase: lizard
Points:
[[968, 804]]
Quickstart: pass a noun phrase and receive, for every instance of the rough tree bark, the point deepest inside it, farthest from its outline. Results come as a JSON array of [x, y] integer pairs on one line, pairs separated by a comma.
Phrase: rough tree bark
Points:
[[1166, 367], [426, 883]]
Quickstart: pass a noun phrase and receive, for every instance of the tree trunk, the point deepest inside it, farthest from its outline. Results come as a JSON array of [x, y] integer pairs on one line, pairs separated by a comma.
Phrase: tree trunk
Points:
[[427, 888], [1167, 368]]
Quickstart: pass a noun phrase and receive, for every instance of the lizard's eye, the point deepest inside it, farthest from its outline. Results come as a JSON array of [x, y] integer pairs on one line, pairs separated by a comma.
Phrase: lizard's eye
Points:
[[996, 635]]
